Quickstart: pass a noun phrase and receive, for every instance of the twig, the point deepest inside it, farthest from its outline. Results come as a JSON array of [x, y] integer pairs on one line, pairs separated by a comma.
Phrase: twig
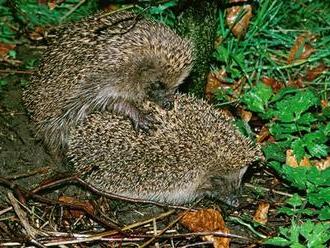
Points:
[[16, 71], [269, 190], [42, 170], [27, 194], [198, 244], [163, 231], [31, 231], [3, 211], [77, 180], [72, 10], [102, 235], [248, 226]]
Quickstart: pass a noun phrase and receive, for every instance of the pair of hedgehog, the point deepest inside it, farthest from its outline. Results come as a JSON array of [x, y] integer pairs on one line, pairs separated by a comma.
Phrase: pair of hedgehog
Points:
[[105, 73]]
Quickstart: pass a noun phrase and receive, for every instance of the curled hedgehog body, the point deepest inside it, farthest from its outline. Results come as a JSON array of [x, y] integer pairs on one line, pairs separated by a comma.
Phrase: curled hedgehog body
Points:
[[107, 62], [194, 152]]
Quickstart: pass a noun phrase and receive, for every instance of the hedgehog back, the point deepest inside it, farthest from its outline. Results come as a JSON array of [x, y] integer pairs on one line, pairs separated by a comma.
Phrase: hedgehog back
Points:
[[192, 143]]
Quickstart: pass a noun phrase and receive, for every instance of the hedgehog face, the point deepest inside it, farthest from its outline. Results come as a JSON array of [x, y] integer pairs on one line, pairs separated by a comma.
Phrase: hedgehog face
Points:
[[161, 95], [226, 186]]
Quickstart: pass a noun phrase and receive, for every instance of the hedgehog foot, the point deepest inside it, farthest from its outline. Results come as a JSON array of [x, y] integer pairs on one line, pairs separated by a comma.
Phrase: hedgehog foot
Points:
[[141, 121]]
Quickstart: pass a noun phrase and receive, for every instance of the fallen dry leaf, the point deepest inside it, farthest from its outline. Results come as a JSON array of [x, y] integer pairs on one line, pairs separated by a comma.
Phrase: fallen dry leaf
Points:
[[37, 33], [86, 205], [297, 83], [324, 103], [207, 220], [52, 4], [213, 83], [111, 7], [5, 48], [323, 163], [292, 161], [218, 41], [263, 135], [219, 80], [311, 74], [245, 115], [261, 214], [238, 26], [276, 85], [301, 49]]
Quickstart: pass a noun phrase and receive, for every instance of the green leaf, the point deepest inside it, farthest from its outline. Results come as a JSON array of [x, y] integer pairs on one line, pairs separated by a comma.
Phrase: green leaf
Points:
[[257, 98], [324, 213], [315, 234], [319, 198], [306, 119], [12, 54], [221, 54], [327, 129], [295, 201], [273, 151], [315, 144], [278, 241], [291, 108], [298, 149], [318, 150], [287, 211], [281, 130]]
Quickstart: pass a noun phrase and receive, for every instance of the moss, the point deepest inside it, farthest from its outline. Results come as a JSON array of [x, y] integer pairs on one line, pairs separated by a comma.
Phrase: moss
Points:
[[199, 23]]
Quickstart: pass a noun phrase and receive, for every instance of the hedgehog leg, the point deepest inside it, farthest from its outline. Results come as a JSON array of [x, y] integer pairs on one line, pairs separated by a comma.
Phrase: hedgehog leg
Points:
[[140, 120]]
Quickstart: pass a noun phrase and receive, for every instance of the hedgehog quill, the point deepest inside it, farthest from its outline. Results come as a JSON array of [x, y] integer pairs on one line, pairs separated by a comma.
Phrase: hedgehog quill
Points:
[[106, 62], [195, 151]]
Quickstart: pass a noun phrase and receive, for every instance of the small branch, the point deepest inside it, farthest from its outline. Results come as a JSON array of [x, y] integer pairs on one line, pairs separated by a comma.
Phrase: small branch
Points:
[[77, 180], [248, 226], [72, 10], [42, 170], [268, 190], [31, 231], [16, 71]]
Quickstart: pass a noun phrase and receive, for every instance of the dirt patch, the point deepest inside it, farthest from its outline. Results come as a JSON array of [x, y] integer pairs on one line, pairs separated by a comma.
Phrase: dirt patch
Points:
[[20, 152]]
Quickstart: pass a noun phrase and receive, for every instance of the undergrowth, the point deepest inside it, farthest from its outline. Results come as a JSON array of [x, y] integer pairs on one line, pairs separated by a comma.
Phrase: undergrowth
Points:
[[297, 117]]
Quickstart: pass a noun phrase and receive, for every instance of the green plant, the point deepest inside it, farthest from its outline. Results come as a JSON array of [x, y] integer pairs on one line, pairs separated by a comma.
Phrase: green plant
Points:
[[302, 234], [297, 117]]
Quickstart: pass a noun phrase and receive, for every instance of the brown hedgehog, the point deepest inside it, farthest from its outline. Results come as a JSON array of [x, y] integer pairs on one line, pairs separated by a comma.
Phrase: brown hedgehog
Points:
[[107, 62], [194, 152]]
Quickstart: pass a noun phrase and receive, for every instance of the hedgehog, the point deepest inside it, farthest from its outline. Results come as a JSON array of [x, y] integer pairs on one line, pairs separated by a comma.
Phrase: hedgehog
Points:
[[108, 62], [195, 151]]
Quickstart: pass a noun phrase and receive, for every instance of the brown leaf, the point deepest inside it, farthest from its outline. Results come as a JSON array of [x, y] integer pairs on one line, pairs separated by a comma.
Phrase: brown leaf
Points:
[[52, 4], [37, 34], [311, 74], [292, 161], [212, 84], [261, 214], [86, 205], [297, 83], [5, 48], [263, 135], [218, 41], [207, 220], [245, 115], [276, 85], [111, 7], [238, 26], [301, 49], [324, 103], [323, 163]]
